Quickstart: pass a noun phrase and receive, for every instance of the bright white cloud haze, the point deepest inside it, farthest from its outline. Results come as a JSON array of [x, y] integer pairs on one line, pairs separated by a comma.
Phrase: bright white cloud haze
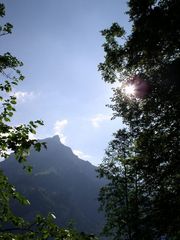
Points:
[[81, 155], [59, 129], [24, 96], [98, 119]]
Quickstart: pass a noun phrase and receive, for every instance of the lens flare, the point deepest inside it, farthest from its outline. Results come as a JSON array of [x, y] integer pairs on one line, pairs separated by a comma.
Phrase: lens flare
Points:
[[135, 88], [129, 90]]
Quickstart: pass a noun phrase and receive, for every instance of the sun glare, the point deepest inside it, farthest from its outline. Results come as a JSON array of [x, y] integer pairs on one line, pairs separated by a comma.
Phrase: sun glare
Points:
[[129, 90]]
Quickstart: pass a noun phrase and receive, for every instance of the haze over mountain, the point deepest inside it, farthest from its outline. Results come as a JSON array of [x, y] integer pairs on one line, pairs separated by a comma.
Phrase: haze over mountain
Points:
[[60, 183]]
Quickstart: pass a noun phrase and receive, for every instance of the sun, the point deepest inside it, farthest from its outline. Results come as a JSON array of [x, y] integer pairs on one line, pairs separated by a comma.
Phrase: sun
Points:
[[129, 90]]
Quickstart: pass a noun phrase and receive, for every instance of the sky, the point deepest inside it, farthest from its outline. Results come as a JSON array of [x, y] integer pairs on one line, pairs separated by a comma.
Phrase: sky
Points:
[[60, 44]]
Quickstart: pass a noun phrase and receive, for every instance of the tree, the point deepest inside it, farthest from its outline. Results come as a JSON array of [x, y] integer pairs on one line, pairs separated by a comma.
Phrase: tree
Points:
[[123, 197], [149, 62], [16, 139]]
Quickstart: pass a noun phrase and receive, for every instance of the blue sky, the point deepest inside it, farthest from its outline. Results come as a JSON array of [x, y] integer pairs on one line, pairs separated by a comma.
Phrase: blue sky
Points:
[[59, 42]]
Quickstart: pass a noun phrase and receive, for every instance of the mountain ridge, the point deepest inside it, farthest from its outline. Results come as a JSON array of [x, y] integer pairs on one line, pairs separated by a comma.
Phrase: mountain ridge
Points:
[[60, 183]]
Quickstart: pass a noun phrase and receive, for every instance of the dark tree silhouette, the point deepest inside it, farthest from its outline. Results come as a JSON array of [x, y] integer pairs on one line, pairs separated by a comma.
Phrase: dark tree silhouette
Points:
[[149, 61]]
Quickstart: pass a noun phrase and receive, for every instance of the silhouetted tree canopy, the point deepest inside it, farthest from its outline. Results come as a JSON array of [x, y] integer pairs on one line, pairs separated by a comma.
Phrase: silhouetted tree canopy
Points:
[[149, 61]]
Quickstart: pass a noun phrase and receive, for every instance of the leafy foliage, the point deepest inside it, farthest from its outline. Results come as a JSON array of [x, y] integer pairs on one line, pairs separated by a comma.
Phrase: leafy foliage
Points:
[[16, 139], [148, 60]]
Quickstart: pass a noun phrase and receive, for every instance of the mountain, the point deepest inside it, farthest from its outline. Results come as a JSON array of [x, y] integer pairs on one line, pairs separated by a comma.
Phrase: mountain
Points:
[[60, 183]]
